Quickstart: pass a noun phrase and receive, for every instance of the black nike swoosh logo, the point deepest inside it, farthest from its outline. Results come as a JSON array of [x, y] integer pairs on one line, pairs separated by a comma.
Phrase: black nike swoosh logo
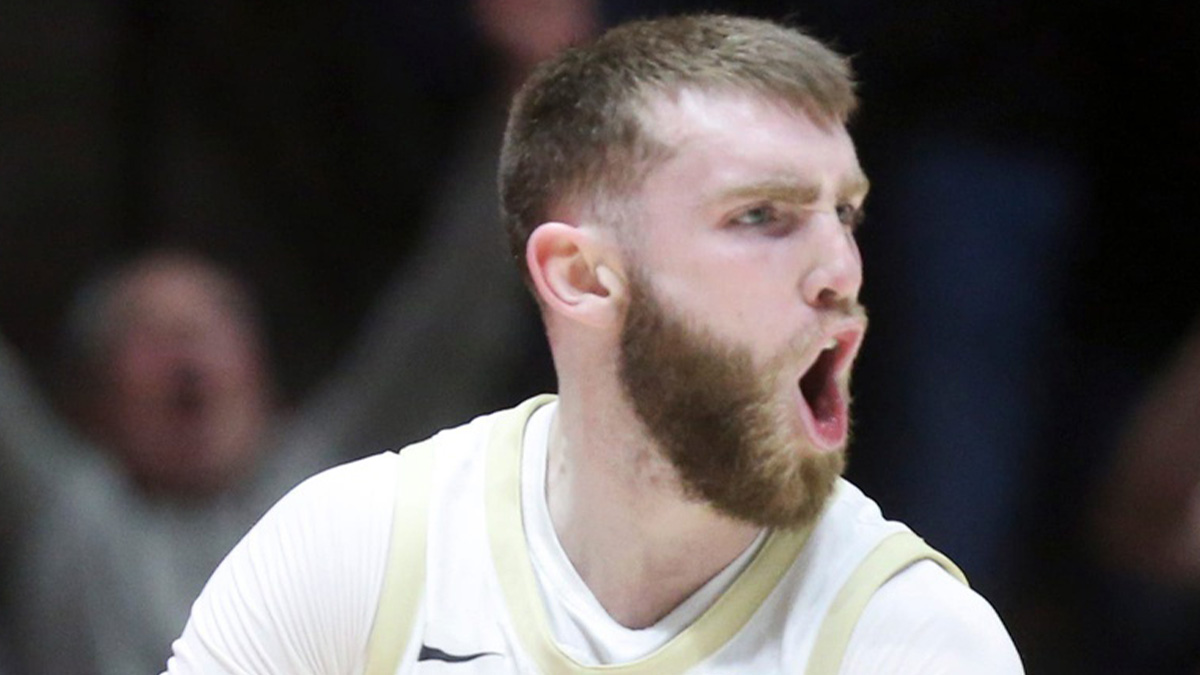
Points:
[[434, 654]]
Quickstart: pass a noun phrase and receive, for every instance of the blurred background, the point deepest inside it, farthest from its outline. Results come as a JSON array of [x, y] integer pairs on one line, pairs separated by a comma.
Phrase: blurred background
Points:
[[279, 217]]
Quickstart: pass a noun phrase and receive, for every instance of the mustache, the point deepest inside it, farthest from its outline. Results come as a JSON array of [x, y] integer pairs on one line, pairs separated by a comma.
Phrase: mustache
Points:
[[833, 320], [845, 309]]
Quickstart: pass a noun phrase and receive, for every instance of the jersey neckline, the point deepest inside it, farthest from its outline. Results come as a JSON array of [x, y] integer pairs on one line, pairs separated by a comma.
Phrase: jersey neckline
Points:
[[507, 536]]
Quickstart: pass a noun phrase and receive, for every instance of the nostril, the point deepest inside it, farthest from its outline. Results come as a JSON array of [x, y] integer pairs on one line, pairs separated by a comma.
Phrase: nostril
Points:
[[828, 297]]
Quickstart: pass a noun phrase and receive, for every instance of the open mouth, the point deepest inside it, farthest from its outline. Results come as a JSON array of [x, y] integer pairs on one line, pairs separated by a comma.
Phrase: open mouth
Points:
[[826, 410], [818, 385]]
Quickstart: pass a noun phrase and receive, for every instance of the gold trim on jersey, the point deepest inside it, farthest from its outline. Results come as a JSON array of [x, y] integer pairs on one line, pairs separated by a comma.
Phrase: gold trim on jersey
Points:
[[506, 532], [404, 577], [890, 557]]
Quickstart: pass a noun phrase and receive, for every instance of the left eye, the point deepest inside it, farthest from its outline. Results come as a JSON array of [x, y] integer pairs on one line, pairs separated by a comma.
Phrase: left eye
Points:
[[849, 215], [758, 216]]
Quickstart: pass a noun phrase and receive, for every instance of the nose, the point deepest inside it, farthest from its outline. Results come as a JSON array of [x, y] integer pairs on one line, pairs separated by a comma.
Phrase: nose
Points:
[[834, 275]]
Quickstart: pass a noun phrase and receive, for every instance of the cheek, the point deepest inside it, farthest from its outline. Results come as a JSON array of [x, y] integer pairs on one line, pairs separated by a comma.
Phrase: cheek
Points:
[[139, 372], [745, 290], [241, 377], [767, 302], [238, 363]]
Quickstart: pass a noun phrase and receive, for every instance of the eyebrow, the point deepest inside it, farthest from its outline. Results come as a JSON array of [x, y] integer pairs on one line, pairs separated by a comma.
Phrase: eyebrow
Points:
[[856, 187], [795, 191]]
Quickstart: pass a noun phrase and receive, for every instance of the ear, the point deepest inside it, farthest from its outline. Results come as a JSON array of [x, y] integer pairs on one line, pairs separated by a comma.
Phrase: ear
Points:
[[575, 272]]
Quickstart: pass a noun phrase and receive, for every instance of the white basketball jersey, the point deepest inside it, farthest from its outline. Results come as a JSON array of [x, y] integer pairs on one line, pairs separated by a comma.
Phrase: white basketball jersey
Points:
[[481, 610]]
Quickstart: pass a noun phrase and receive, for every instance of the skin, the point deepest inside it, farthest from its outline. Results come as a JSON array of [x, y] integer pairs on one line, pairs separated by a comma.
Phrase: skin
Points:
[[745, 231], [527, 32], [187, 397], [1147, 518]]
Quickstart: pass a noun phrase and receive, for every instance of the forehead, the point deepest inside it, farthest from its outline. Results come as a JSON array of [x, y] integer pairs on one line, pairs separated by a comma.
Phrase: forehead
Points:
[[162, 293], [725, 140], [173, 285]]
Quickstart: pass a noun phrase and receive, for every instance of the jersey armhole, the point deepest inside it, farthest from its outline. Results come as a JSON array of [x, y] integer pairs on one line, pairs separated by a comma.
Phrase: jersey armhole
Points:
[[891, 556]]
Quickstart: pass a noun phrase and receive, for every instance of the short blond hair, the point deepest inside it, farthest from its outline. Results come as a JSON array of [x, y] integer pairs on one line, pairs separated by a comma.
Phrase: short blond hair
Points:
[[576, 132]]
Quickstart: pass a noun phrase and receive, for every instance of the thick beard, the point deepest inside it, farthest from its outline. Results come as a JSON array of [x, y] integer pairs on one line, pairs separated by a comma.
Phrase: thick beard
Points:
[[715, 417]]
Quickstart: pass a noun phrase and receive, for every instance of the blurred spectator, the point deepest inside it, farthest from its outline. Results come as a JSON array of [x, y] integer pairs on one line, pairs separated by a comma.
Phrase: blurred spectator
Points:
[[455, 319], [1146, 527], [1148, 516], [164, 366], [276, 137], [114, 531], [523, 33], [108, 539], [1131, 297]]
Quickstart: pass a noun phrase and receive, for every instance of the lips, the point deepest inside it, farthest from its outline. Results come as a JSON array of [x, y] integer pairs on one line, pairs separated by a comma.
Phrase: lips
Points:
[[825, 406]]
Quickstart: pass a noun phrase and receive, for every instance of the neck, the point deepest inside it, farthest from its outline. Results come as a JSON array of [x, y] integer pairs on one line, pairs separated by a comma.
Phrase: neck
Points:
[[639, 543]]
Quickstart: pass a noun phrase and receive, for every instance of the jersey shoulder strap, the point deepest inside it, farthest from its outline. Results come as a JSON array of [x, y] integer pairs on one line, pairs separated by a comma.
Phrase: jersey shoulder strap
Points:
[[404, 574], [891, 556]]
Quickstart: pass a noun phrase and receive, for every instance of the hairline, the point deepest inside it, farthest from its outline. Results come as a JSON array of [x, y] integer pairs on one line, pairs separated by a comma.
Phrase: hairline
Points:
[[97, 318]]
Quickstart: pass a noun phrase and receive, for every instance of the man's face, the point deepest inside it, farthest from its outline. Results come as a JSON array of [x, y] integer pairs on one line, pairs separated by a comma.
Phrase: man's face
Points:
[[188, 393], [743, 318]]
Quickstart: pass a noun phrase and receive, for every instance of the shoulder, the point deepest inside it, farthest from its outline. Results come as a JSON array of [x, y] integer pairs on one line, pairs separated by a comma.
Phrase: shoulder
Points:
[[335, 503], [309, 570], [925, 621], [361, 493], [352, 483], [312, 568]]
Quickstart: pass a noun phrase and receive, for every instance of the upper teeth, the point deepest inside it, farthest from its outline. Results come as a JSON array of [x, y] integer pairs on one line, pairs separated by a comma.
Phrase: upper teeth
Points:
[[832, 344]]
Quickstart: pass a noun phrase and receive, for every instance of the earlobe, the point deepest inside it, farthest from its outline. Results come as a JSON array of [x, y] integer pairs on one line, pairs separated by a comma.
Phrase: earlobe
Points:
[[567, 271]]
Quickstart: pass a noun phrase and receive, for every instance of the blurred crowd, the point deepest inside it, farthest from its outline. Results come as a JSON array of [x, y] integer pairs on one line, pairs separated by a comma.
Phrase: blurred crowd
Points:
[[241, 242]]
